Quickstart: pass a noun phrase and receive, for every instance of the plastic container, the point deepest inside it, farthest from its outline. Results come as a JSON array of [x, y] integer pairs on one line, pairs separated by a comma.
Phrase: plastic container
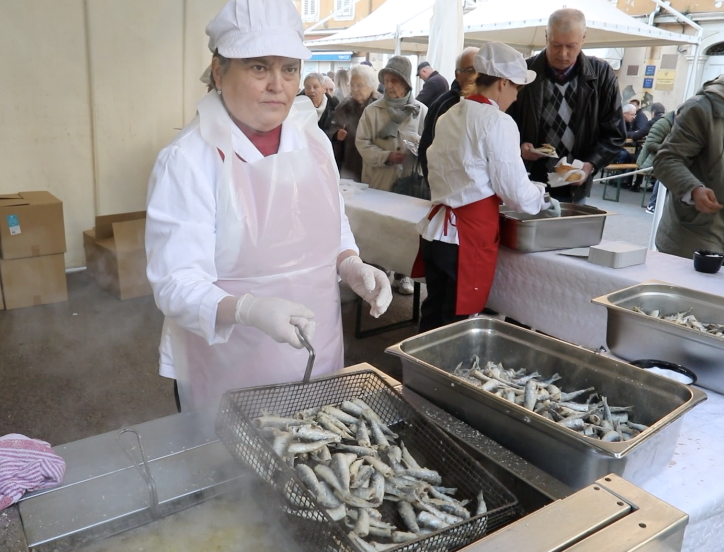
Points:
[[708, 261], [617, 254]]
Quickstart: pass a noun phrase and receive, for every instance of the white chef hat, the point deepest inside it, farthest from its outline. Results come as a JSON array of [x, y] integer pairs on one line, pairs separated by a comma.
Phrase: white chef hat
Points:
[[257, 28], [500, 60]]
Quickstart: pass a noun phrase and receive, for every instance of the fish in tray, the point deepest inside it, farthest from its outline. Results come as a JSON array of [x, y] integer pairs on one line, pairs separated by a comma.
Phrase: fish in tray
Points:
[[360, 471], [686, 319], [594, 418]]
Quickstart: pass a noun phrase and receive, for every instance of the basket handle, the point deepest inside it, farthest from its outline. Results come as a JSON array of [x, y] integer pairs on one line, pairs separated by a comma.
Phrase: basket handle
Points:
[[312, 354]]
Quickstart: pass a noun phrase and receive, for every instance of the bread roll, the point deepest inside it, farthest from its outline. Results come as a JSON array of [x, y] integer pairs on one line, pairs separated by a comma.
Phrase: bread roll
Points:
[[547, 149], [574, 176], [563, 168]]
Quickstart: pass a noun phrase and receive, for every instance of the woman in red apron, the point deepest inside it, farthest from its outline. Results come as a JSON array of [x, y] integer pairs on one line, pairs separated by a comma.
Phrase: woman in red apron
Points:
[[246, 236], [474, 164]]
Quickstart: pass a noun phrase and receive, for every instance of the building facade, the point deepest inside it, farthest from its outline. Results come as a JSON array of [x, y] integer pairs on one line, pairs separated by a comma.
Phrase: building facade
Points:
[[661, 74], [322, 18]]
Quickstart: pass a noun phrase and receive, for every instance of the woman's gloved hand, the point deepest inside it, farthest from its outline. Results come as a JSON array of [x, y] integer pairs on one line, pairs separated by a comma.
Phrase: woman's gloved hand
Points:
[[276, 317], [368, 282], [553, 209]]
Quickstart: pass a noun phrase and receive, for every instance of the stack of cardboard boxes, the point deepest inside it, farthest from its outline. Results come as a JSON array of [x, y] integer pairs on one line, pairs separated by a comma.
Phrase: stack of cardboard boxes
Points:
[[32, 247], [115, 254]]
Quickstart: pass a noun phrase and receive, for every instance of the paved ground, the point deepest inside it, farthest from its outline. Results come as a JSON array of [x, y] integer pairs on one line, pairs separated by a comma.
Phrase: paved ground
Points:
[[631, 223]]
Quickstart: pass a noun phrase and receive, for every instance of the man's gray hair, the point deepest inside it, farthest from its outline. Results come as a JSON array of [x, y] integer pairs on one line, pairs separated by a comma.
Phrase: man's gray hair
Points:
[[565, 20], [317, 76], [629, 108], [459, 59], [366, 73]]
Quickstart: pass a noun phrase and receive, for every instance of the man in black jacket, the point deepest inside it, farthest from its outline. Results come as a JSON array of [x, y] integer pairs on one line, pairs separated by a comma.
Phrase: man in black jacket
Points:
[[574, 105], [657, 111], [464, 75], [435, 84]]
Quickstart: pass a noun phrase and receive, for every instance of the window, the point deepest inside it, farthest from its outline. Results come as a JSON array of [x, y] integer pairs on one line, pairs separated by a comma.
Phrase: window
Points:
[[310, 10], [716, 50], [344, 9]]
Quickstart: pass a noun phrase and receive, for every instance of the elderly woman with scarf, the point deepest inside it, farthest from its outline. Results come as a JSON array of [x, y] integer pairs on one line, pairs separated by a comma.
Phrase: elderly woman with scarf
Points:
[[385, 123]]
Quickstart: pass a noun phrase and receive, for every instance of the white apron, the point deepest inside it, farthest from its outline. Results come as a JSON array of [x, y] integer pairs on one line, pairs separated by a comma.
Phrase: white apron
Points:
[[278, 235]]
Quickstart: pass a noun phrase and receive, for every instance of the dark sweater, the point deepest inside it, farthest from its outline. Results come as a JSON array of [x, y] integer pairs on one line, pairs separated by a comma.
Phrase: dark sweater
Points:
[[437, 109]]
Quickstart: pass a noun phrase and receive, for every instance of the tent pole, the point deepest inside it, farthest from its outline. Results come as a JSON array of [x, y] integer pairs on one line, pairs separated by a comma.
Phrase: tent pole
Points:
[[694, 68], [398, 39], [658, 213]]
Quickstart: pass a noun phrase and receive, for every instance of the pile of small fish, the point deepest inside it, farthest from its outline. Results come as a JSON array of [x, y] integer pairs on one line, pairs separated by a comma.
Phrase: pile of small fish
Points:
[[595, 418], [351, 462], [686, 319]]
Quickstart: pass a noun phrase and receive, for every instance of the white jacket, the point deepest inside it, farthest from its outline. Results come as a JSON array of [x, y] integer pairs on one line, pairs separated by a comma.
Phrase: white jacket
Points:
[[375, 151], [476, 154]]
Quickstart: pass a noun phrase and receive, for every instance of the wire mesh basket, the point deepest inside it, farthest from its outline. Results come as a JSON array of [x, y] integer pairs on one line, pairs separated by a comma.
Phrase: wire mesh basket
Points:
[[308, 521]]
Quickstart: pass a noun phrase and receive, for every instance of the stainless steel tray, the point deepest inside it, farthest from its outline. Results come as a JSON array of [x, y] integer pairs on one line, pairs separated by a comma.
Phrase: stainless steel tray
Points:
[[428, 360], [578, 226], [634, 336]]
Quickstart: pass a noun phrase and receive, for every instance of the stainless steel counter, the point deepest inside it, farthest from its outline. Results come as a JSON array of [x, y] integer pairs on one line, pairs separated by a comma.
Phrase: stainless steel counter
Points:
[[190, 465]]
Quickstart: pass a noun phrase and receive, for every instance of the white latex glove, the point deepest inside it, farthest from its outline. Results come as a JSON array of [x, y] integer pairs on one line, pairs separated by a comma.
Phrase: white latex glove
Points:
[[368, 282], [276, 317], [552, 208]]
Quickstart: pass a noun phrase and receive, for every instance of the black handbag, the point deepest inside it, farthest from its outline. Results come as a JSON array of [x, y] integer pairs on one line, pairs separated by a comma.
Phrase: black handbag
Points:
[[413, 185]]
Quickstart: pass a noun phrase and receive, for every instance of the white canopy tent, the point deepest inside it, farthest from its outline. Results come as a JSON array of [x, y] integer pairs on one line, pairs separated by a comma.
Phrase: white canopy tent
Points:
[[446, 36], [522, 24], [381, 31]]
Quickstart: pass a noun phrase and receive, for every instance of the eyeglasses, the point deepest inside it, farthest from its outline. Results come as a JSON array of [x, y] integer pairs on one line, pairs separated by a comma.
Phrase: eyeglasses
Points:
[[467, 70]]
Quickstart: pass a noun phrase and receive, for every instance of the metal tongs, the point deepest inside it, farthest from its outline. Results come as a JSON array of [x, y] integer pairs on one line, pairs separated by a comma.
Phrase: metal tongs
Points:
[[308, 346], [142, 468]]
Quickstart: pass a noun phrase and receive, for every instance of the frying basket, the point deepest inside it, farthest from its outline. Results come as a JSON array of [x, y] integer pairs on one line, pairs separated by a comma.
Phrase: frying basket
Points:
[[308, 521]]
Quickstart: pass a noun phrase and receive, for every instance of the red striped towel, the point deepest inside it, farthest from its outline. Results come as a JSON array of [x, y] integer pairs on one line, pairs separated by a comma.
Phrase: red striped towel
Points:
[[26, 465]]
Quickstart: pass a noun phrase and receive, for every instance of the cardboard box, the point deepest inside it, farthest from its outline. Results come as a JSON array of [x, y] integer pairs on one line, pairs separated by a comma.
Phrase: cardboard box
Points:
[[34, 281], [617, 254], [31, 225], [91, 251], [120, 264]]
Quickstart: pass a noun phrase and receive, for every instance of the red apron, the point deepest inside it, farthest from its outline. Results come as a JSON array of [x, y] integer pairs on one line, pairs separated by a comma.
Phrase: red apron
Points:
[[478, 226]]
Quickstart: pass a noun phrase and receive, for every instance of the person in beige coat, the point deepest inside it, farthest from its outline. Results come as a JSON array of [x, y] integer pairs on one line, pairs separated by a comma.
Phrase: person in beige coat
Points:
[[383, 129], [386, 124]]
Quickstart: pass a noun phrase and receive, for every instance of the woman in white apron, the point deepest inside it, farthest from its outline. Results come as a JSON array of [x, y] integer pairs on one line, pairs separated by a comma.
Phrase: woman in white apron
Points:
[[246, 235]]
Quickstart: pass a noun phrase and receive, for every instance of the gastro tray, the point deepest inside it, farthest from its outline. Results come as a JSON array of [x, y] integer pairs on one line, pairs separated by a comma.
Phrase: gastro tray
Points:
[[578, 226], [634, 336], [429, 359], [315, 530]]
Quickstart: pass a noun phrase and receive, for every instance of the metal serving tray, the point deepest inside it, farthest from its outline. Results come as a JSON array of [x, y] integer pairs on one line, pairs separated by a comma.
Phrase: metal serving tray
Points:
[[429, 359], [634, 336], [578, 226]]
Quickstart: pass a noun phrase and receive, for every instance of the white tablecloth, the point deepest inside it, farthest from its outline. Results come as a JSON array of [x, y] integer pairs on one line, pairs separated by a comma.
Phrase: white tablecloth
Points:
[[383, 225], [552, 293], [693, 481]]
